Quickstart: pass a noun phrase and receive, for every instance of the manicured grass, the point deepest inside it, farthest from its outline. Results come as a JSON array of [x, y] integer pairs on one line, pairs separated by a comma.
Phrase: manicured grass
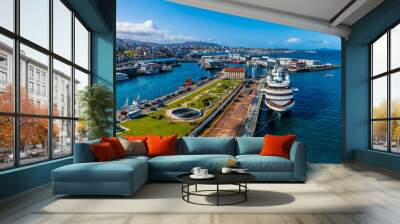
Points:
[[159, 124], [203, 101]]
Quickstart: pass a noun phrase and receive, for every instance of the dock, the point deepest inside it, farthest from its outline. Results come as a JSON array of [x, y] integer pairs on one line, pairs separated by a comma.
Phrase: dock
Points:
[[232, 122], [254, 111]]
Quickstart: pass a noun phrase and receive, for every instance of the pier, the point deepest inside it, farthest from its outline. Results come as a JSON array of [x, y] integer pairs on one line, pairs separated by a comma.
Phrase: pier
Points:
[[232, 122]]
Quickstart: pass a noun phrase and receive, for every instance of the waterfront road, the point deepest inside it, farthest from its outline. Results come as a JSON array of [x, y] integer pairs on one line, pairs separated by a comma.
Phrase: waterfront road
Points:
[[232, 121]]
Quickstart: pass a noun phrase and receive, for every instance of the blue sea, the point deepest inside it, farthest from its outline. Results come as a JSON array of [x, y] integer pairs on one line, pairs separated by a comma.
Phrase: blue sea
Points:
[[315, 119], [316, 116], [153, 86]]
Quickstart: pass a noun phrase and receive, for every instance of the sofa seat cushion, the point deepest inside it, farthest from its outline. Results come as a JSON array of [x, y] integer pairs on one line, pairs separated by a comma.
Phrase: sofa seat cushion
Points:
[[185, 163], [207, 145], [113, 171], [257, 163], [133, 157]]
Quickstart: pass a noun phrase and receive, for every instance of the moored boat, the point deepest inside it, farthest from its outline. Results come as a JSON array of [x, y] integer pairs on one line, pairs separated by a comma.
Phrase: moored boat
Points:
[[121, 76], [278, 92]]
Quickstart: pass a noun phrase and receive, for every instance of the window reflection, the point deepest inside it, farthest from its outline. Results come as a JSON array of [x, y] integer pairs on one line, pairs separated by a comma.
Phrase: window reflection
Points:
[[379, 135], [62, 29], [62, 138], [6, 74], [7, 14], [62, 89], [34, 21], [6, 142], [395, 47], [379, 56], [81, 82], [34, 88], [33, 140], [81, 45], [379, 98]]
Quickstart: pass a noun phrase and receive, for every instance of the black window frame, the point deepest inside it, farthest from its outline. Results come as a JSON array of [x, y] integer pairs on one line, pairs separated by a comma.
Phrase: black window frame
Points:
[[16, 114], [388, 74]]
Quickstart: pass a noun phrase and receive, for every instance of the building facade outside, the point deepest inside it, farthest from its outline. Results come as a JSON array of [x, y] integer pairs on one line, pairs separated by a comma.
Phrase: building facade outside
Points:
[[234, 73], [34, 82]]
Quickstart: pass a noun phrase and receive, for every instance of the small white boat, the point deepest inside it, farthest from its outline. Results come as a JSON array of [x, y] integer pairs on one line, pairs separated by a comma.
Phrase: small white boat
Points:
[[121, 76], [166, 68]]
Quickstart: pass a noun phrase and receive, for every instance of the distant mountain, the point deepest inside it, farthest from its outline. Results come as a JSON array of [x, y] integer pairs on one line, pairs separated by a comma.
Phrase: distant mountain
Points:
[[153, 44]]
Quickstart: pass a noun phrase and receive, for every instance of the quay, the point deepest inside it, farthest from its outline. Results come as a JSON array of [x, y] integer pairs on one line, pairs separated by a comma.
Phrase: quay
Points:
[[232, 122]]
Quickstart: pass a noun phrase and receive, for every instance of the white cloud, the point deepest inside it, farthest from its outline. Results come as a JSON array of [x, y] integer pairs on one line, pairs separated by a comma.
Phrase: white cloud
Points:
[[293, 40], [148, 31]]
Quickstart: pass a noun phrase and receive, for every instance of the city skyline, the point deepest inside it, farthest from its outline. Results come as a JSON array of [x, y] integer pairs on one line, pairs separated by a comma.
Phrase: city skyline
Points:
[[166, 22]]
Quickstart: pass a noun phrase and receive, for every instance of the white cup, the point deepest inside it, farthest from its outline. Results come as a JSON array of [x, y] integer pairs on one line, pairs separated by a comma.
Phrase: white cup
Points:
[[203, 172], [226, 170], [196, 171]]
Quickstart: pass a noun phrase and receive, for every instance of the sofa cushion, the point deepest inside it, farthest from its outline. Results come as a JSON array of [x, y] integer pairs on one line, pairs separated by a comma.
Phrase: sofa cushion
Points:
[[112, 171], [277, 145], [116, 145], [257, 163], [103, 152], [185, 163], [134, 147], [249, 145], [83, 152], [207, 145], [161, 145]]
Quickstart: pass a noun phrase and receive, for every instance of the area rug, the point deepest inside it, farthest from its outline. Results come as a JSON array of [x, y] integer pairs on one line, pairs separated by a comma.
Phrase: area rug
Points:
[[166, 198]]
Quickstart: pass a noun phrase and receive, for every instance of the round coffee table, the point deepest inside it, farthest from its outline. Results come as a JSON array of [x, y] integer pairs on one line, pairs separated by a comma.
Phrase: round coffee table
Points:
[[238, 179]]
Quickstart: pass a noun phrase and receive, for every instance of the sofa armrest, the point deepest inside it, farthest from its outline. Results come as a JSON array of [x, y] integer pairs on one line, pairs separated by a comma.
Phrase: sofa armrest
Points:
[[298, 155], [83, 152]]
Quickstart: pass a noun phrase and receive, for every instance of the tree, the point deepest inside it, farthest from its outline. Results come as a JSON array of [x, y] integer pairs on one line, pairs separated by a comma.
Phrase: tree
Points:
[[380, 127], [33, 131]]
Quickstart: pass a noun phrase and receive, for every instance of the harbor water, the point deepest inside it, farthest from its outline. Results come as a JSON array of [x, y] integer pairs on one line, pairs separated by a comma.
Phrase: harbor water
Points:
[[316, 116]]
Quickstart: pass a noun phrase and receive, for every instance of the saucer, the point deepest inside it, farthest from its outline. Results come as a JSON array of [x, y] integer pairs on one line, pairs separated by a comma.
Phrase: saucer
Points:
[[208, 176]]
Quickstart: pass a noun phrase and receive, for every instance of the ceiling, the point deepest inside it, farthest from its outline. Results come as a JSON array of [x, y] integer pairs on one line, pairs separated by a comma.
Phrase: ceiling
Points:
[[326, 16]]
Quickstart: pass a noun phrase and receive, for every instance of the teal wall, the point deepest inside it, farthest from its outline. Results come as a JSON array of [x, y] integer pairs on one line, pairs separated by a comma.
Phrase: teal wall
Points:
[[357, 83], [99, 16], [24, 178]]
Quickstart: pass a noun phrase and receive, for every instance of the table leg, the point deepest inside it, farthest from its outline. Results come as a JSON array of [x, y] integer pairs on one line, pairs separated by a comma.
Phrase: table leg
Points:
[[245, 193], [195, 188], [217, 194], [188, 190]]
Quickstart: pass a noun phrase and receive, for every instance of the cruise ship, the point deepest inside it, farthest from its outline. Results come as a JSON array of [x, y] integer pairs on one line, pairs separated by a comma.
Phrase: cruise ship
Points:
[[279, 95]]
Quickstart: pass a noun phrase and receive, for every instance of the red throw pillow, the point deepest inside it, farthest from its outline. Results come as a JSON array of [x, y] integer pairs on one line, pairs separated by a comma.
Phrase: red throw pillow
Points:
[[277, 145], [116, 145], [161, 145], [103, 152]]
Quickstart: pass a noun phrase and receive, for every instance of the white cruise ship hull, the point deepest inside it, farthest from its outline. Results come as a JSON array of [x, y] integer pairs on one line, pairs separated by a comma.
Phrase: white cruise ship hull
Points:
[[279, 105]]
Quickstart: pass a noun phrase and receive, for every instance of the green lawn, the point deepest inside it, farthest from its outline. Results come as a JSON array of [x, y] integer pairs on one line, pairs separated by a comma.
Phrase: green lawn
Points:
[[159, 124]]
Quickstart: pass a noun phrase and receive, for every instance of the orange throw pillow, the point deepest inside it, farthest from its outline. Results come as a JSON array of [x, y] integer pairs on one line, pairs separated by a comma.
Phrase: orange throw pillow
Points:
[[161, 145], [103, 152], [116, 145], [277, 145]]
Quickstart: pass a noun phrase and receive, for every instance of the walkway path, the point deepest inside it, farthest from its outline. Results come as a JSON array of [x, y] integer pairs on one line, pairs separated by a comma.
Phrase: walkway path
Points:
[[231, 121]]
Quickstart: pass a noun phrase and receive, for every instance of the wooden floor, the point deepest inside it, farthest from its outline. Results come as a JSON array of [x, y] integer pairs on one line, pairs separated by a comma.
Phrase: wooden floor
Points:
[[378, 189]]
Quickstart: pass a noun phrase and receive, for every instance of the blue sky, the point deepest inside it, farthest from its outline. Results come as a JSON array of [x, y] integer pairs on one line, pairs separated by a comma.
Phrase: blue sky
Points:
[[166, 22]]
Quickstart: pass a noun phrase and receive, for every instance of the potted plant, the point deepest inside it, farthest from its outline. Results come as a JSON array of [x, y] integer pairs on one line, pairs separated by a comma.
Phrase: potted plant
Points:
[[97, 103]]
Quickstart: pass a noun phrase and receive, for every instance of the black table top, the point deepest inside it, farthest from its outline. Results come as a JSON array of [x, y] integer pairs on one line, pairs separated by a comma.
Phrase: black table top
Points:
[[220, 178]]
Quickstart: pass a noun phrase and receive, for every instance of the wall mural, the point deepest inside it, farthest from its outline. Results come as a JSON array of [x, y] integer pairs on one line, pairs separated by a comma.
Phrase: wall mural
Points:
[[189, 71]]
